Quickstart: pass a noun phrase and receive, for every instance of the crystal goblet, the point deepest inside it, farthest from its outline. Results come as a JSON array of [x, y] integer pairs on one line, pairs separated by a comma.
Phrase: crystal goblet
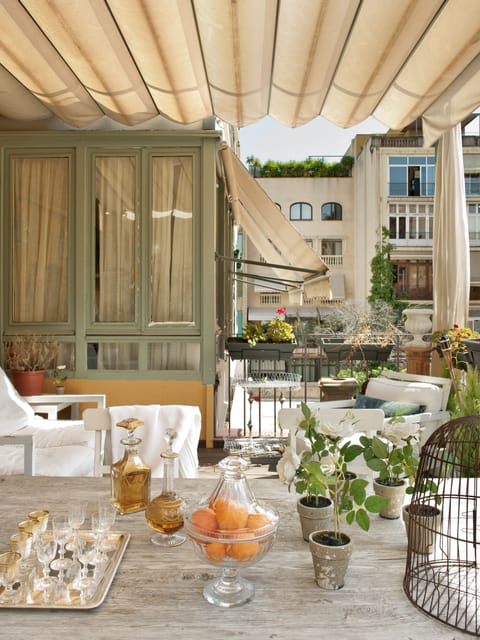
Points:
[[9, 569], [46, 549], [86, 552], [62, 532], [40, 515]]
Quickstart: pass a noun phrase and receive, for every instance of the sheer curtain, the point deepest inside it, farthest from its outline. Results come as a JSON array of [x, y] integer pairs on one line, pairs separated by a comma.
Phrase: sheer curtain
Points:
[[116, 239], [172, 255], [39, 204]]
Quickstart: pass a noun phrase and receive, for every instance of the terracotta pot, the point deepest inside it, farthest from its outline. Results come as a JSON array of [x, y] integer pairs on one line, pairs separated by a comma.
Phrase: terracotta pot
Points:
[[395, 494], [422, 521], [330, 563], [28, 383], [314, 518]]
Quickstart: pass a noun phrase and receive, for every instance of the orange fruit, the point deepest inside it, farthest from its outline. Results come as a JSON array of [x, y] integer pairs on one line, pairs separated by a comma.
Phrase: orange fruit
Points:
[[204, 519], [215, 551], [257, 520], [230, 514], [243, 551]]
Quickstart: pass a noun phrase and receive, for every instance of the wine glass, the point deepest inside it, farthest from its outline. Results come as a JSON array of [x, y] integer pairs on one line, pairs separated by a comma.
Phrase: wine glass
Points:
[[62, 532], [107, 514], [9, 568], [100, 527], [21, 542], [40, 515], [86, 551], [76, 517], [46, 549]]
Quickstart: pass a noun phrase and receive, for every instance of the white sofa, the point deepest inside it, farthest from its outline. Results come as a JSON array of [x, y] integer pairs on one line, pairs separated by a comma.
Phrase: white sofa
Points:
[[36, 446]]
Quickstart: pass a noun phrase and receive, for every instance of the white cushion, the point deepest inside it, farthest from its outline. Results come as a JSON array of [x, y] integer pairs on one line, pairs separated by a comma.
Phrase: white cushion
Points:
[[421, 393], [74, 460], [15, 412], [58, 433]]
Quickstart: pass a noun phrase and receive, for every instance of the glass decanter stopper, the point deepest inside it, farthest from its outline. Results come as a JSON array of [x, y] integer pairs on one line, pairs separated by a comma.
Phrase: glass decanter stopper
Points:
[[130, 475], [165, 512]]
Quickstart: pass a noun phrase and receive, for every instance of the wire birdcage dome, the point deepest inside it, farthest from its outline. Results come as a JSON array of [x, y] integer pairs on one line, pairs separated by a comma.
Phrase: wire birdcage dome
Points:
[[442, 575]]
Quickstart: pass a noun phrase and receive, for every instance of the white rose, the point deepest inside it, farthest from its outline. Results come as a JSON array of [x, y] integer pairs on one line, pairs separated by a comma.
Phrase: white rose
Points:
[[343, 429], [399, 432], [287, 465]]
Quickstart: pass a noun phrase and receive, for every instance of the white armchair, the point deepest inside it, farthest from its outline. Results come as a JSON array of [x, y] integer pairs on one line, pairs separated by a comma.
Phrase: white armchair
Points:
[[31, 445]]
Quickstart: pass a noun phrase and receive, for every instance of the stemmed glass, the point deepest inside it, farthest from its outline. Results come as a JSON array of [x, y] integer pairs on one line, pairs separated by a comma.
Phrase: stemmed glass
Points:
[[76, 517], [9, 568], [62, 532], [86, 550], [107, 514], [46, 548], [21, 542], [40, 518]]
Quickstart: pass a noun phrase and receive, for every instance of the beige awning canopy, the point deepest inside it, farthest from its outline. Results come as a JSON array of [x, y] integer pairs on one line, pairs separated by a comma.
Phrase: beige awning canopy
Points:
[[85, 63], [281, 246]]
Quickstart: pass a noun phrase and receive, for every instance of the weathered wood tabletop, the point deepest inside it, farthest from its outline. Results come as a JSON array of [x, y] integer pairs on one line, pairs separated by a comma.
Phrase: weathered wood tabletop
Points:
[[158, 593]]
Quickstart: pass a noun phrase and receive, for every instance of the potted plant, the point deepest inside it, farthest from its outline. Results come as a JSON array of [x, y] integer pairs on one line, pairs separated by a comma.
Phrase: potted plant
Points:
[[393, 457], [27, 358], [274, 340], [59, 378], [322, 471]]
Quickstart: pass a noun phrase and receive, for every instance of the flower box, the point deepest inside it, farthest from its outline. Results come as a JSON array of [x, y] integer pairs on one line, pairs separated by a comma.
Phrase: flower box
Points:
[[337, 350], [239, 349]]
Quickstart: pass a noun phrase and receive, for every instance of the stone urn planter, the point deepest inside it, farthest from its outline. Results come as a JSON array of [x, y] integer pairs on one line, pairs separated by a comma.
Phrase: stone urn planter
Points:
[[418, 323], [315, 513], [394, 493], [422, 522], [330, 558]]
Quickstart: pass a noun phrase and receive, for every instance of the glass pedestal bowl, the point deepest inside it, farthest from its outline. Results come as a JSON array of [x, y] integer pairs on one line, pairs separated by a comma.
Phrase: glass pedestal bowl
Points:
[[230, 530]]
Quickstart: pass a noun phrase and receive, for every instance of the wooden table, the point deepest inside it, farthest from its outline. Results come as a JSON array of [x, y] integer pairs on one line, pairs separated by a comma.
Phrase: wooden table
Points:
[[157, 593]]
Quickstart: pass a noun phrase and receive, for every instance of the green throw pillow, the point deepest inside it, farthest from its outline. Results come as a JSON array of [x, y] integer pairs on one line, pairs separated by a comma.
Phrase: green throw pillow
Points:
[[389, 407]]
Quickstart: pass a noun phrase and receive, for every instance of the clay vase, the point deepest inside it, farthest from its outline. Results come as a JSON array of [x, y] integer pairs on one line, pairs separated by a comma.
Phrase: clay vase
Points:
[[394, 493], [316, 513], [330, 562], [422, 521]]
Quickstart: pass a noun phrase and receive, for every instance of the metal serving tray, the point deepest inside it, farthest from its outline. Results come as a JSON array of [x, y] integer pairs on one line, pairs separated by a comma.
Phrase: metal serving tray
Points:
[[120, 540]]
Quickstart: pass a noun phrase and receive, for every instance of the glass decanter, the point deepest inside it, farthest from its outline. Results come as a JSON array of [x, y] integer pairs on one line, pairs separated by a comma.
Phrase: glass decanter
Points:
[[130, 476], [165, 512]]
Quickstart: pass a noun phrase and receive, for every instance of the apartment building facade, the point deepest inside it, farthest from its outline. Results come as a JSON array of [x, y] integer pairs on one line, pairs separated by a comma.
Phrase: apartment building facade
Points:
[[393, 186]]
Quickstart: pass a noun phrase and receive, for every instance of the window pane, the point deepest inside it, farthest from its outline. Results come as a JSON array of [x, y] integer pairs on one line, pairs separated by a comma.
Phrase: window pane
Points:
[[398, 181], [39, 204], [331, 211], [116, 238], [113, 355], [172, 240], [174, 356]]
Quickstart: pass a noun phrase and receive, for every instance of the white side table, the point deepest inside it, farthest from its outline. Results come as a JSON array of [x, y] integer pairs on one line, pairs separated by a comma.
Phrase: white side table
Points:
[[52, 403]]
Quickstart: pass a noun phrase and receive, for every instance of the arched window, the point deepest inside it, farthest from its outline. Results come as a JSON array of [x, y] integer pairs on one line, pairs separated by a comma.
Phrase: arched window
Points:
[[331, 211], [300, 211]]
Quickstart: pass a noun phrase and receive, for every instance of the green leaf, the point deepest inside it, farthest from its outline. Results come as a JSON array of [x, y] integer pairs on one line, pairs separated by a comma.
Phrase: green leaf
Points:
[[362, 519], [376, 465], [350, 517], [352, 452], [375, 504], [379, 448]]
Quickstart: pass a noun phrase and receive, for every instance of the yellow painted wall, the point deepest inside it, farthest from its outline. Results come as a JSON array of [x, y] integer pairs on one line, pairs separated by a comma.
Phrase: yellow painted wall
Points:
[[120, 392]]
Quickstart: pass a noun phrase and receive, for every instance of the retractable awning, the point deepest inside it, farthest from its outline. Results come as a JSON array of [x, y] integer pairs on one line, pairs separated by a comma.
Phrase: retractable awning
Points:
[[281, 246], [94, 63]]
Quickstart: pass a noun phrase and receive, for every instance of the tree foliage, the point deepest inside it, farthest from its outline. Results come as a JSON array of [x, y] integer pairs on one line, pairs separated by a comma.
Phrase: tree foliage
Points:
[[308, 168]]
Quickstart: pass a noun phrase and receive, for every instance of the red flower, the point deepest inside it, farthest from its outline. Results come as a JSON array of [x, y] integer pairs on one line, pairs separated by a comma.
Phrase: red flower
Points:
[[281, 311]]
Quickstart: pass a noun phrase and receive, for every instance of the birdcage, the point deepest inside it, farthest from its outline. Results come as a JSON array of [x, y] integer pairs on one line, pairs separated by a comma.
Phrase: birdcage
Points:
[[442, 575]]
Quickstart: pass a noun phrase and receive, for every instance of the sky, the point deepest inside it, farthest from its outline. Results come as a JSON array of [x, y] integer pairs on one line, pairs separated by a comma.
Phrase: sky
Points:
[[267, 139]]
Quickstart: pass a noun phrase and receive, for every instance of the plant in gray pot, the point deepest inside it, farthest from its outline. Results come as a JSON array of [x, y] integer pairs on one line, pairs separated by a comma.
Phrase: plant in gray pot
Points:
[[322, 472], [393, 456]]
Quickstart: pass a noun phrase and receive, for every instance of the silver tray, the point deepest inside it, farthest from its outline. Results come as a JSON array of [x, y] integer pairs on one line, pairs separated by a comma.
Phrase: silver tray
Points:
[[120, 540]]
